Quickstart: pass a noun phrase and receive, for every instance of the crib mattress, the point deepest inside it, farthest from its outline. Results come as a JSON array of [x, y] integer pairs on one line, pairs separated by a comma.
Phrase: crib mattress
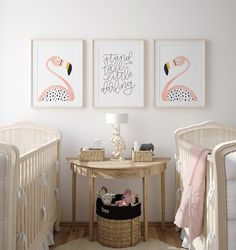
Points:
[[230, 168]]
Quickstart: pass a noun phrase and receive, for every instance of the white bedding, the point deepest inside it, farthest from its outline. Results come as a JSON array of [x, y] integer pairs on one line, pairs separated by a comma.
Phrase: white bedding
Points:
[[230, 168]]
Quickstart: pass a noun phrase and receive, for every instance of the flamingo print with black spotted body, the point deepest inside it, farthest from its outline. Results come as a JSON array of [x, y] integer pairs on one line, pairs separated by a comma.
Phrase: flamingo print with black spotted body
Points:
[[177, 93], [56, 93]]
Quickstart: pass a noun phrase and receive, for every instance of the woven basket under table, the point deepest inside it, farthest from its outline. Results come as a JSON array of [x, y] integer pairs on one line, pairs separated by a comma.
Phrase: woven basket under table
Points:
[[119, 233]]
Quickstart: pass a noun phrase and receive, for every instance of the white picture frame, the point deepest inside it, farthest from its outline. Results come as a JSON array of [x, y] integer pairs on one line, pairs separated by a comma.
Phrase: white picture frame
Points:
[[118, 73], [179, 73], [56, 73]]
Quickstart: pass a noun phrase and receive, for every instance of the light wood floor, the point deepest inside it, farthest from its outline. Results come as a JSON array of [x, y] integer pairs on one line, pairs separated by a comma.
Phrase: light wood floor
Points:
[[168, 235]]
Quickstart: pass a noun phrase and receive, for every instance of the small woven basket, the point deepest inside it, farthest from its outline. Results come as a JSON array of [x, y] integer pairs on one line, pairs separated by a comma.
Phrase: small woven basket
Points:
[[142, 155], [92, 155], [119, 233]]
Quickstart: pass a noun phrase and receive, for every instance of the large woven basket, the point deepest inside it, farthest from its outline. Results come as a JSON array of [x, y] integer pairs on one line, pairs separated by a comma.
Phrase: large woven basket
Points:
[[119, 233]]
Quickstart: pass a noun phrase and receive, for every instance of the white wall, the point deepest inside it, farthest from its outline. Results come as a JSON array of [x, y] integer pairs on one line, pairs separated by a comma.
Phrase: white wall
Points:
[[212, 20]]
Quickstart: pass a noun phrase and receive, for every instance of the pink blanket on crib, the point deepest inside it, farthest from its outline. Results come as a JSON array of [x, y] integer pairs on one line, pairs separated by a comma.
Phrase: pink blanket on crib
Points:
[[190, 211]]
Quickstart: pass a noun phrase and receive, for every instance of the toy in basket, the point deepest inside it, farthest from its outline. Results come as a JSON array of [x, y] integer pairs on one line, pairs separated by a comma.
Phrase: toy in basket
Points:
[[92, 154], [118, 219]]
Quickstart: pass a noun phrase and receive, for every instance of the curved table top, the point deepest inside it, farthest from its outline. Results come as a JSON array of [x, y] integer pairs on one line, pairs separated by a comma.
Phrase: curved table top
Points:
[[118, 169]]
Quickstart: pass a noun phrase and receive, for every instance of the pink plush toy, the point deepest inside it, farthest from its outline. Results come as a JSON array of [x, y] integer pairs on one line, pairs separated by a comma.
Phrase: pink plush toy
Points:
[[127, 199]]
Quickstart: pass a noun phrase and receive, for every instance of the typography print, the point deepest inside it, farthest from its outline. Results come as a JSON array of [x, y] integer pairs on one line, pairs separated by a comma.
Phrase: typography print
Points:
[[118, 75]]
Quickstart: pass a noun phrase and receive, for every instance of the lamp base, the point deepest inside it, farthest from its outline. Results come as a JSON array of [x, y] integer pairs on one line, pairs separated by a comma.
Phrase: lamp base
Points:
[[118, 144], [117, 159]]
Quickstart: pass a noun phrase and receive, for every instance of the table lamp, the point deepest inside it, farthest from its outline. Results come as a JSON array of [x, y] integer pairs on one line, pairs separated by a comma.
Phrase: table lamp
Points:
[[117, 140]]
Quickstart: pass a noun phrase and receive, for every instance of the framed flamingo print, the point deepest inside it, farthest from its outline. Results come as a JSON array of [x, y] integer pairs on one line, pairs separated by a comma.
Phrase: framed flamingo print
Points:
[[57, 73], [179, 73], [118, 73]]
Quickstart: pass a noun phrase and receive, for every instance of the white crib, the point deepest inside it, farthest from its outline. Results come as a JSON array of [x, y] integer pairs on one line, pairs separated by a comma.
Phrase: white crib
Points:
[[29, 186], [219, 232]]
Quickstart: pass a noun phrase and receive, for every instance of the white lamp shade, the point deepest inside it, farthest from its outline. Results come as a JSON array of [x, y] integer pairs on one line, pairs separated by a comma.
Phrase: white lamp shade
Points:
[[114, 118]]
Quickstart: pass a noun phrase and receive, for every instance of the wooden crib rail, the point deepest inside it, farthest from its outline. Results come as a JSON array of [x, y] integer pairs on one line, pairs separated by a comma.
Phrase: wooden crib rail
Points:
[[206, 134], [27, 136]]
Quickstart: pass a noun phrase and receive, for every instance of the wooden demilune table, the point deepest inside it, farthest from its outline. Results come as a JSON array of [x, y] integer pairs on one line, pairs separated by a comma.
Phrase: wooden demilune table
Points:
[[115, 170]]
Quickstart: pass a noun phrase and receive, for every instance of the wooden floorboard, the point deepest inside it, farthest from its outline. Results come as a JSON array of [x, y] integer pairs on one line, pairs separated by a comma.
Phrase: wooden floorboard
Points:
[[169, 235], [61, 237]]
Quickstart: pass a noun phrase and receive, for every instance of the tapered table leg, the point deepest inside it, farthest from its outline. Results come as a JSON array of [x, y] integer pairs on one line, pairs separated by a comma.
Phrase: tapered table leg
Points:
[[145, 215], [74, 175], [163, 199], [91, 205]]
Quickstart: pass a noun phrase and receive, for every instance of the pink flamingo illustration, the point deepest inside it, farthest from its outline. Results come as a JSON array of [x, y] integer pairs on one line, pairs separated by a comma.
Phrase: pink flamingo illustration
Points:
[[57, 92], [177, 92]]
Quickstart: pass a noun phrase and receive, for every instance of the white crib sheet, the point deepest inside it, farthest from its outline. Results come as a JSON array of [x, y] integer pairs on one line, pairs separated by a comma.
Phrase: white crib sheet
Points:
[[230, 168]]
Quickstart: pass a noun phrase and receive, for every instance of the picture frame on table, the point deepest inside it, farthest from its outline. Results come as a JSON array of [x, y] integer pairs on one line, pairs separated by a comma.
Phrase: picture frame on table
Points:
[[56, 73], [179, 73], [118, 67]]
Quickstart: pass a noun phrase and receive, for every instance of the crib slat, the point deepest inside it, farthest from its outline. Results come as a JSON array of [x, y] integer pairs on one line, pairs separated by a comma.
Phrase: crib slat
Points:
[[27, 183], [25, 190], [37, 194], [31, 199], [33, 193]]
